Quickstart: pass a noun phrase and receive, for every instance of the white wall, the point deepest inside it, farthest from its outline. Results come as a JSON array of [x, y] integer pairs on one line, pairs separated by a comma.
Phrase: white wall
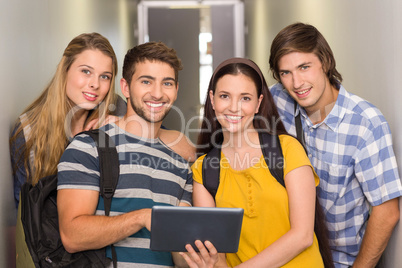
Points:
[[366, 38], [33, 35]]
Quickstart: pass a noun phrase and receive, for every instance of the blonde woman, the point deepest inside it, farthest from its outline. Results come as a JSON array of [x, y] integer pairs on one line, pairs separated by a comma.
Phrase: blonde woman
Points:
[[80, 93]]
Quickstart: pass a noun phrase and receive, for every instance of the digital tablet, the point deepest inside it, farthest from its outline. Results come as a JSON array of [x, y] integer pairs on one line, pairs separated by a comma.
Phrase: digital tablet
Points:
[[174, 227]]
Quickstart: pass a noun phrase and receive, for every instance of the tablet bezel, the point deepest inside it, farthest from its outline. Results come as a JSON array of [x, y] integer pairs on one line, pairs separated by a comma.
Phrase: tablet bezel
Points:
[[173, 227]]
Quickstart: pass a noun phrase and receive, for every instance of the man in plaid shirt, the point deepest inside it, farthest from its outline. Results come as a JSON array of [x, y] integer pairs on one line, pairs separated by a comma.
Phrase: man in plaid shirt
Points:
[[348, 142]]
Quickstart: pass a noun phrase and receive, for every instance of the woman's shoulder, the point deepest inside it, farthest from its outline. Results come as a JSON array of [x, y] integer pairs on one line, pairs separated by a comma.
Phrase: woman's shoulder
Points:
[[198, 162], [20, 130], [294, 154], [289, 142], [292, 150]]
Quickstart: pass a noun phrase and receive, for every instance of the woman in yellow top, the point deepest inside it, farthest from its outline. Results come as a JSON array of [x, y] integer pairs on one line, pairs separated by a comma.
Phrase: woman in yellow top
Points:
[[278, 223]]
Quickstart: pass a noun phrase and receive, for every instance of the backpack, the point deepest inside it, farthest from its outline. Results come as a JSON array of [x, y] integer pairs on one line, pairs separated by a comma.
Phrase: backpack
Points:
[[38, 242], [273, 157]]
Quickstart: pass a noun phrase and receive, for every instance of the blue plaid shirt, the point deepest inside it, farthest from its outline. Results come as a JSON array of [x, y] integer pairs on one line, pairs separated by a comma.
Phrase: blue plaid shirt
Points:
[[351, 151]]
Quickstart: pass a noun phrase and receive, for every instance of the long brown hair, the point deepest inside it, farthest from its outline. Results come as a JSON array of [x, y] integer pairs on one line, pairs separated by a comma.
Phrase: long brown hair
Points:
[[267, 118], [46, 116]]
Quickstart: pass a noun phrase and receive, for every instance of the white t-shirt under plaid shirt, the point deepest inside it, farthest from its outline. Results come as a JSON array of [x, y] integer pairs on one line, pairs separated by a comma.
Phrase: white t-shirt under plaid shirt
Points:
[[351, 151]]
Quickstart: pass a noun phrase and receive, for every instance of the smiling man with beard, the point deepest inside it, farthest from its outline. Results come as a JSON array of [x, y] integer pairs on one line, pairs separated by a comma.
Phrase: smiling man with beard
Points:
[[153, 166]]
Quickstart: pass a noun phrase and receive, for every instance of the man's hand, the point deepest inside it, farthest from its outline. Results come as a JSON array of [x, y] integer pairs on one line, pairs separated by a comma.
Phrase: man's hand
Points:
[[380, 225]]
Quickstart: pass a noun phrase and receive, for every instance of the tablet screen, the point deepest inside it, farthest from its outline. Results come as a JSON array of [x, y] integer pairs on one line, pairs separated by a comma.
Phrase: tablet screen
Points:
[[174, 227]]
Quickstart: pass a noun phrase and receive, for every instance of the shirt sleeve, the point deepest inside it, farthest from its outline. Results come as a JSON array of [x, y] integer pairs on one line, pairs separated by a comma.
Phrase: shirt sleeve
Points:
[[188, 190], [376, 167], [197, 169], [79, 165], [17, 149], [295, 156], [285, 106]]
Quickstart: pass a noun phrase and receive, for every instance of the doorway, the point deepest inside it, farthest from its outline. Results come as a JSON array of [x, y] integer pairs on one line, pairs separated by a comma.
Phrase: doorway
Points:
[[204, 33]]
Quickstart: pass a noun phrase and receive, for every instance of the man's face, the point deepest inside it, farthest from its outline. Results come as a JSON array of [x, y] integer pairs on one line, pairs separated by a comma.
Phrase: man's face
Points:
[[303, 77], [152, 90]]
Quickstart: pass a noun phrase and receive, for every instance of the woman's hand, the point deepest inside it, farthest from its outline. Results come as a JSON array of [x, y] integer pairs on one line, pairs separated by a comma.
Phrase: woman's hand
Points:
[[207, 257], [94, 123]]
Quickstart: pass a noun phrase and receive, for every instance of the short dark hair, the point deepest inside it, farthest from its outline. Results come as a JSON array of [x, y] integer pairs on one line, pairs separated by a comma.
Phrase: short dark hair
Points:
[[305, 38], [152, 51]]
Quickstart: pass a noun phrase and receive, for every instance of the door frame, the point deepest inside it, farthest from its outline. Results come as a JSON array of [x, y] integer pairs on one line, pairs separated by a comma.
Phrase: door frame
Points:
[[238, 19]]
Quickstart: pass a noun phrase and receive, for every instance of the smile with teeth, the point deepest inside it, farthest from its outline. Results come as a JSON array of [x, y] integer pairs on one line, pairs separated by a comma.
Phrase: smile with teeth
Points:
[[233, 118], [302, 92], [155, 105], [90, 95]]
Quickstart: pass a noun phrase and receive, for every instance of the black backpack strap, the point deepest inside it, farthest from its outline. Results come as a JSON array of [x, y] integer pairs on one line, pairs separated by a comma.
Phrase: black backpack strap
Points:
[[299, 128], [109, 165], [272, 151], [109, 171], [211, 168]]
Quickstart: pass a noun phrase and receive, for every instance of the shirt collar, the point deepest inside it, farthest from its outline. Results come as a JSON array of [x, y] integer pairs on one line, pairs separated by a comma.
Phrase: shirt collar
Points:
[[336, 115]]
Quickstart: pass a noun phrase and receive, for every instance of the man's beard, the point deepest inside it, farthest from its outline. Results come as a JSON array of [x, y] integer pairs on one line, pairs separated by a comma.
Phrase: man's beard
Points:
[[141, 113]]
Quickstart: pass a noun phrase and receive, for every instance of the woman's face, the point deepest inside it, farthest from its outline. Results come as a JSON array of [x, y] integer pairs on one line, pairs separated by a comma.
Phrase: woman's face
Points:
[[235, 102], [89, 78]]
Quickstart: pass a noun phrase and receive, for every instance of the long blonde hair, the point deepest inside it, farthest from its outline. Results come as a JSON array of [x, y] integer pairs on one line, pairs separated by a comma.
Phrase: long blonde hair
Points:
[[46, 116]]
